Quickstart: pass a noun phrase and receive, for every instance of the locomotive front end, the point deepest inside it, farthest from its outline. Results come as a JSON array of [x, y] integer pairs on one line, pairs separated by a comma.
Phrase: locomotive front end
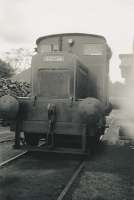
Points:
[[59, 84], [69, 75]]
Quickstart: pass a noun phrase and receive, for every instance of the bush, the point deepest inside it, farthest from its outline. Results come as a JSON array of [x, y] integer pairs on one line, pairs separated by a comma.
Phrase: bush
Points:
[[6, 69]]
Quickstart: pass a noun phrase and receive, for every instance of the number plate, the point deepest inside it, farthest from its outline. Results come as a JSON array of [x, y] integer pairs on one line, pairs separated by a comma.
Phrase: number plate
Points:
[[54, 58]]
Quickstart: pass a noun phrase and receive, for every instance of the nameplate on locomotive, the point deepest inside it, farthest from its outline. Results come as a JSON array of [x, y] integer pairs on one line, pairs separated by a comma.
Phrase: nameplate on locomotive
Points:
[[53, 58]]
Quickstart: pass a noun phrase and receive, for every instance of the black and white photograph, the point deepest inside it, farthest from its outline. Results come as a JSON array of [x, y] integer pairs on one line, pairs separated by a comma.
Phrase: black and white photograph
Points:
[[66, 100]]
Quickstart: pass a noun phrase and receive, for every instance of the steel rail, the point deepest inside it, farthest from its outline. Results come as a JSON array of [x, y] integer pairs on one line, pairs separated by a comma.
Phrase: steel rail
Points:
[[12, 159], [6, 139], [71, 181]]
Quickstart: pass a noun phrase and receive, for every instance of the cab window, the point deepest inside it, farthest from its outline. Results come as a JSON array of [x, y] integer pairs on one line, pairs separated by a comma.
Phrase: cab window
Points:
[[93, 49], [46, 48]]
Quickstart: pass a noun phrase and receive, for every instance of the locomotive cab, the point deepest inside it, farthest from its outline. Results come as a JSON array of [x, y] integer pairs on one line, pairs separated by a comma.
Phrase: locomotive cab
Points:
[[59, 82], [59, 76]]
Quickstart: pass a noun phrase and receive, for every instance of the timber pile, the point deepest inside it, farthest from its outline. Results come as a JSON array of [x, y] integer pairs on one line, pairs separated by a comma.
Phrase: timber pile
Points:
[[14, 88]]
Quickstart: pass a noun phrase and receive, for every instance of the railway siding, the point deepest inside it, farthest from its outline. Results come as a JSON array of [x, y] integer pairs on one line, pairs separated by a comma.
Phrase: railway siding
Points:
[[108, 175], [36, 176]]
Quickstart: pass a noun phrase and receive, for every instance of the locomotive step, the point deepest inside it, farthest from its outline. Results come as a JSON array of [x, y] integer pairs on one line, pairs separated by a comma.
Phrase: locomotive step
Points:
[[73, 151]]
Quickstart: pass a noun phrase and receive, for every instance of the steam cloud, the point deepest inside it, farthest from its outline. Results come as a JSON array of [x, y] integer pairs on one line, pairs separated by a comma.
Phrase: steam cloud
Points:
[[127, 108]]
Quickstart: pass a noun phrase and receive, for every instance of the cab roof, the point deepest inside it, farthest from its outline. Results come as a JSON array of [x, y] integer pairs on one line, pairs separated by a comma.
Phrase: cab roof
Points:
[[69, 34]]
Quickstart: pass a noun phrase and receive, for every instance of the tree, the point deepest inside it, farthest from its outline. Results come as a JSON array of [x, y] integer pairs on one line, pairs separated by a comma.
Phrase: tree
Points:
[[6, 69], [19, 59]]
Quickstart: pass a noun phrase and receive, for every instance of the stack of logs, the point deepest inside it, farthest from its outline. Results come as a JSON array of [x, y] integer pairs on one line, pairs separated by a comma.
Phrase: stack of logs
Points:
[[14, 88]]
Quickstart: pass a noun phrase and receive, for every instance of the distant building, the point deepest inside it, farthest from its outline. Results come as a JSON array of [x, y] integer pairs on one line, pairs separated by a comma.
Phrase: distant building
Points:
[[127, 67]]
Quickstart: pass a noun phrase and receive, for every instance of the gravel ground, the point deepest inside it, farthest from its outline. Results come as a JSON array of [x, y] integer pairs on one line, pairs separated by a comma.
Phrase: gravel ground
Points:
[[109, 175]]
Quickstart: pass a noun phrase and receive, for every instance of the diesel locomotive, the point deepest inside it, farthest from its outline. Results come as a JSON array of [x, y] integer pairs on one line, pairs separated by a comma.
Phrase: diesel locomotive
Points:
[[69, 98]]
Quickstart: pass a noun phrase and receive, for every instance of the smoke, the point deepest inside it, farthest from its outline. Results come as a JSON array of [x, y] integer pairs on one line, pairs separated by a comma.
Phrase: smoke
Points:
[[127, 108]]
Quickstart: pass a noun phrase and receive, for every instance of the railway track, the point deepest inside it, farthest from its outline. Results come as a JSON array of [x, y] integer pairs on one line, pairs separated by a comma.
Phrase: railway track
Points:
[[71, 181], [57, 178], [6, 139], [14, 158], [6, 135]]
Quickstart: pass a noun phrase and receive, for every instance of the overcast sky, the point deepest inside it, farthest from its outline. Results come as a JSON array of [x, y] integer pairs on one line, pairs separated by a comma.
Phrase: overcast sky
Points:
[[23, 21]]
